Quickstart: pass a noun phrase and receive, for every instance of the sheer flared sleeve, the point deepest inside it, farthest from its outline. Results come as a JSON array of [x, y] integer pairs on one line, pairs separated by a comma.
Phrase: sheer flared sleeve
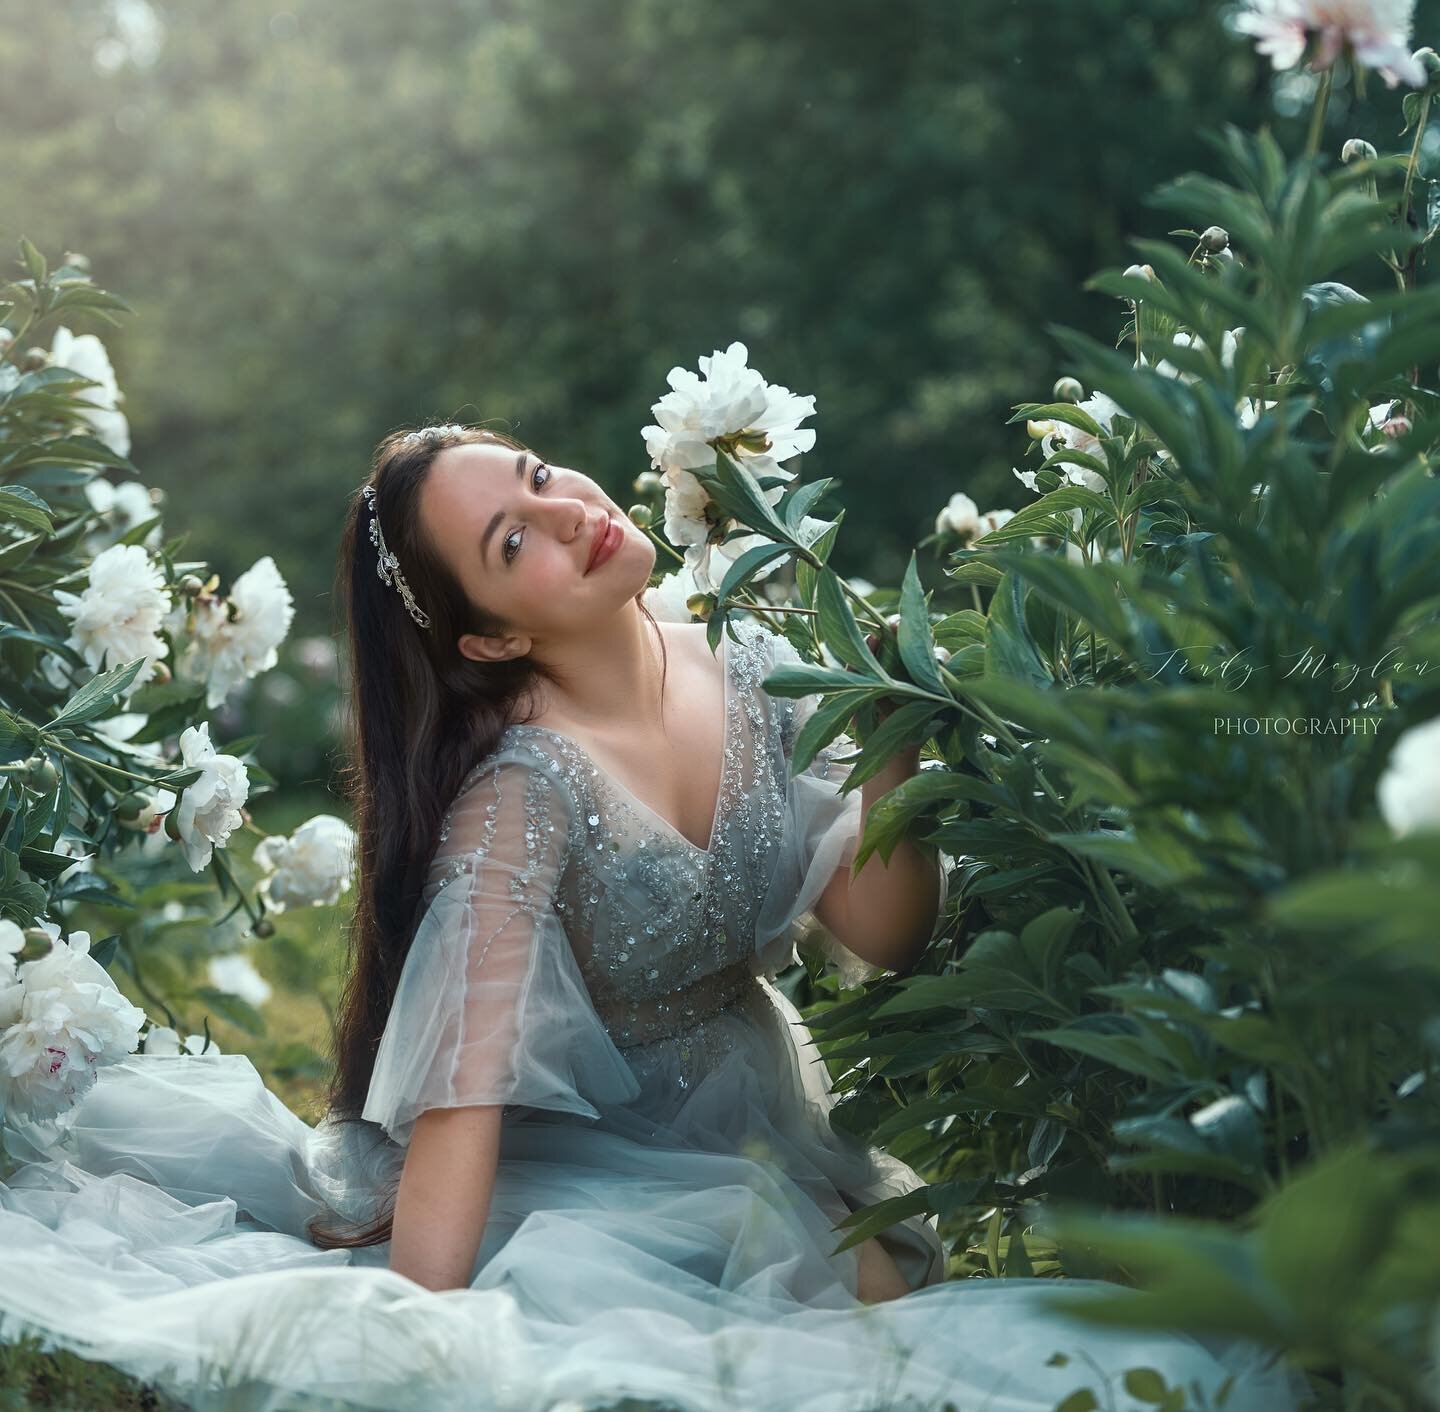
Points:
[[821, 835], [491, 1007]]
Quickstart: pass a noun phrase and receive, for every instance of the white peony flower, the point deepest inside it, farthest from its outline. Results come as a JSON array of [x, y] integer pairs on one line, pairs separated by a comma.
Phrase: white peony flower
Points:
[[667, 599], [993, 519], [1389, 418], [960, 515], [1376, 34], [1184, 339], [313, 866], [224, 653], [209, 809], [161, 1039], [688, 522], [1028, 479], [12, 1003], [236, 973], [685, 505], [1103, 410], [1409, 789], [1249, 409], [726, 398], [124, 506], [86, 355], [119, 615], [12, 943], [72, 1021], [71, 849]]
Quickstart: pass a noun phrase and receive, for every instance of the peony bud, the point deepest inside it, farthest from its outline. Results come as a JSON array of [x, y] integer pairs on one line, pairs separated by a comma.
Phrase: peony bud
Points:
[[130, 807], [43, 778], [942, 654], [648, 483], [1037, 431], [1430, 60], [1357, 150], [1067, 389], [641, 515], [35, 359], [1146, 272], [77, 261], [1215, 238], [7, 337], [191, 585], [161, 673], [701, 605], [263, 928], [1223, 257], [172, 825]]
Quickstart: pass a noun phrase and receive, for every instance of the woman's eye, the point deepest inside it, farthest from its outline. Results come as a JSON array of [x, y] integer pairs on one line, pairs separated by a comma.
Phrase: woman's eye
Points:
[[511, 538]]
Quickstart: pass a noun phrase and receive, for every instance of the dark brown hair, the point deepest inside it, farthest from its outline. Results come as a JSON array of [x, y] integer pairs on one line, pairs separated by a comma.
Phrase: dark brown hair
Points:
[[421, 716]]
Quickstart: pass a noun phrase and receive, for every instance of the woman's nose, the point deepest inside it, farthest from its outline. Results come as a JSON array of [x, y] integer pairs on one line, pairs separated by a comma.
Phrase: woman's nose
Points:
[[569, 515]]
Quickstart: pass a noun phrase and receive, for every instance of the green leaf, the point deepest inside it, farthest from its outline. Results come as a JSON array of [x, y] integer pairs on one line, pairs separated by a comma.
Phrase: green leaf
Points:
[[1145, 1384], [1042, 516], [872, 1220], [838, 630], [917, 646], [903, 726], [827, 720], [34, 261], [1091, 592], [1010, 651], [746, 565], [97, 695], [23, 507]]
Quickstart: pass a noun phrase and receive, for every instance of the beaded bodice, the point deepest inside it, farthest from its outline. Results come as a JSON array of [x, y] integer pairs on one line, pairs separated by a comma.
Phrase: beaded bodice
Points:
[[663, 931]]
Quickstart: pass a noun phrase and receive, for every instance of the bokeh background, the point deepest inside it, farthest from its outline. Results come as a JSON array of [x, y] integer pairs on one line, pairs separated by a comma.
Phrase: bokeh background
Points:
[[334, 217]]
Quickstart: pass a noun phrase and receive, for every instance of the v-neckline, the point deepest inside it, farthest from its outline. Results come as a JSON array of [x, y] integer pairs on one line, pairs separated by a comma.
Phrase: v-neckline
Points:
[[633, 799]]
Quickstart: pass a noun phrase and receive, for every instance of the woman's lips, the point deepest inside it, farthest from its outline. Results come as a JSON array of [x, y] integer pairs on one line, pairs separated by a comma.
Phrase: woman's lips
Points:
[[608, 542]]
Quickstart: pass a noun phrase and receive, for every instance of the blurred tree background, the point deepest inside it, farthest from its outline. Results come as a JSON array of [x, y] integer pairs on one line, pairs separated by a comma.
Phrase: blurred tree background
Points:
[[344, 216]]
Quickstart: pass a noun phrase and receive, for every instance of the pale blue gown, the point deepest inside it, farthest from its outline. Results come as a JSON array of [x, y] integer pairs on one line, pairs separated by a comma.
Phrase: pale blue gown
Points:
[[663, 1218]]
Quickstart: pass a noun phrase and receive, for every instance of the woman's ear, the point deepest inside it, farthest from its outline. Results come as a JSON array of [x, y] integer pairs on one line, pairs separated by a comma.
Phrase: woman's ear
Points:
[[492, 647]]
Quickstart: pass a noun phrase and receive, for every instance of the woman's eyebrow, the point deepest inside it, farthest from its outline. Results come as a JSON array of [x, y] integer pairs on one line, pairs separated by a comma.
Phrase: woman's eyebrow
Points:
[[499, 514]]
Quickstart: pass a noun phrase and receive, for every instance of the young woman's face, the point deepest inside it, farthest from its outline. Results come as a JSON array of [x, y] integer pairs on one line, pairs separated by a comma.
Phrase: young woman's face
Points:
[[518, 532]]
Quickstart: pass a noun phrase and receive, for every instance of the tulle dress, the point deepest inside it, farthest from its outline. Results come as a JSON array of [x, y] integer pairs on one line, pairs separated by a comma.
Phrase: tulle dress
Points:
[[662, 1225]]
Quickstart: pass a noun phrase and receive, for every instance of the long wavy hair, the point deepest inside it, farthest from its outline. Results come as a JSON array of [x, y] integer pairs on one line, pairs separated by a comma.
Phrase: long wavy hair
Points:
[[420, 717]]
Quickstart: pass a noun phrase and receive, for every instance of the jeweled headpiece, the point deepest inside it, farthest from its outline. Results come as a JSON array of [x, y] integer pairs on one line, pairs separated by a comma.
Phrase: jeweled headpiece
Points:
[[388, 566]]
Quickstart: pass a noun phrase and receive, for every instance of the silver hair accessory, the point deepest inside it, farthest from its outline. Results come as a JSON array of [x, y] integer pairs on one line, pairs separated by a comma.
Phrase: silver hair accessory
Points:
[[412, 439], [388, 566]]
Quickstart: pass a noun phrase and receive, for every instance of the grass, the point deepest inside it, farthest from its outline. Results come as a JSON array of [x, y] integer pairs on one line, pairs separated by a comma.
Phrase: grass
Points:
[[31, 1378]]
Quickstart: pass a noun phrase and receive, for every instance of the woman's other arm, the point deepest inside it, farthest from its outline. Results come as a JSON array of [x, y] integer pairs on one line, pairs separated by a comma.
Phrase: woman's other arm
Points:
[[444, 1196], [886, 914]]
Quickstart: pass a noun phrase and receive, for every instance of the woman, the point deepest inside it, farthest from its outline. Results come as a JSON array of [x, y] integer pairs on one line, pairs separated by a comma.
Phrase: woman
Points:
[[578, 1143]]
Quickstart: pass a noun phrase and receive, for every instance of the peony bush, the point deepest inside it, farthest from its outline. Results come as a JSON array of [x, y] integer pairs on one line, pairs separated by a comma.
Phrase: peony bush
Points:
[[114, 653], [1181, 719]]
